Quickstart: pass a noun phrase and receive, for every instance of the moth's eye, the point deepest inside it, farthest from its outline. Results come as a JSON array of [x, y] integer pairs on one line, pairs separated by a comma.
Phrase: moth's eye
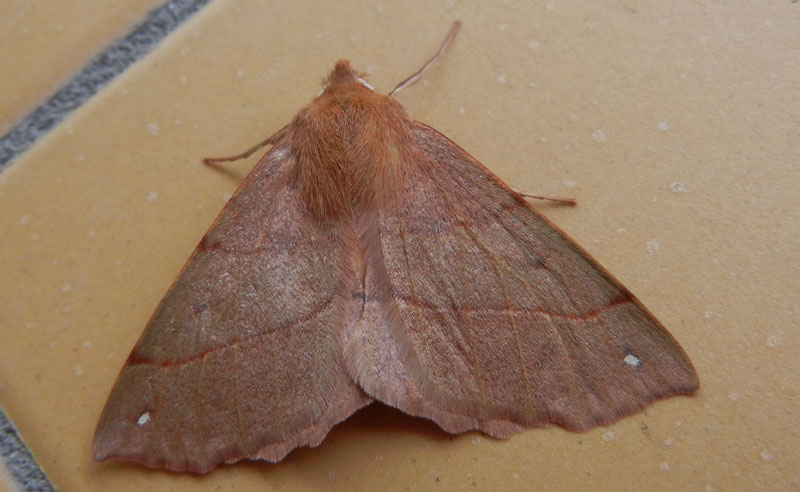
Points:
[[365, 83]]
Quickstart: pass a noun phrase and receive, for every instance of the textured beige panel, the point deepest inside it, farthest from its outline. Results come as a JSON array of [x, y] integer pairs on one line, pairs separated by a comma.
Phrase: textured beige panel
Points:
[[43, 43], [674, 124]]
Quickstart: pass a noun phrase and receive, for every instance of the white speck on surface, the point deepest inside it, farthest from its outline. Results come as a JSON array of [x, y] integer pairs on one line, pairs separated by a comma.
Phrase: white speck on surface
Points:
[[34, 237], [708, 488], [503, 27], [77, 370], [573, 117], [708, 315], [25, 220], [80, 157], [118, 262], [86, 344], [226, 197], [569, 183], [608, 436], [622, 230], [632, 360], [476, 440], [91, 233], [240, 73], [378, 457], [183, 79], [599, 136], [152, 196], [765, 455], [663, 466], [543, 139], [449, 4], [143, 419], [461, 110], [371, 69], [653, 246], [772, 341], [502, 79], [66, 288], [703, 38], [550, 6], [663, 126], [152, 128], [669, 441], [733, 396], [515, 476], [677, 187], [533, 44]]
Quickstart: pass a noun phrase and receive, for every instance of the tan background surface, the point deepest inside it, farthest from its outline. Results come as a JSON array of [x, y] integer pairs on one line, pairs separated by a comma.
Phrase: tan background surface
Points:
[[44, 42], [675, 125]]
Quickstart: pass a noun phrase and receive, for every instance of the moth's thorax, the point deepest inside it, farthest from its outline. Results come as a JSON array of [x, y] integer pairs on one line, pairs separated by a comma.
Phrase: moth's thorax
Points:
[[350, 145]]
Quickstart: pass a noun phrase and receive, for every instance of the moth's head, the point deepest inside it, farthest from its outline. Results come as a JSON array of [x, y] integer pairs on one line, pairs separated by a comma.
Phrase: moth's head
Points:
[[343, 75]]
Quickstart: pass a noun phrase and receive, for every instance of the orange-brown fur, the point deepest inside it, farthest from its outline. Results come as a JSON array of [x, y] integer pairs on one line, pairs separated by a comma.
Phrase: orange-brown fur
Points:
[[351, 145]]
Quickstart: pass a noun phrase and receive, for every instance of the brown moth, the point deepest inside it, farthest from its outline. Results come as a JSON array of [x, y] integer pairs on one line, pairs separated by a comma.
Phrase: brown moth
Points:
[[368, 257]]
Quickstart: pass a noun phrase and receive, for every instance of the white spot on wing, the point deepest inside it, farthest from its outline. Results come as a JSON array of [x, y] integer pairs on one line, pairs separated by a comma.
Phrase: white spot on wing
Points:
[[632, 360], [143, 419]]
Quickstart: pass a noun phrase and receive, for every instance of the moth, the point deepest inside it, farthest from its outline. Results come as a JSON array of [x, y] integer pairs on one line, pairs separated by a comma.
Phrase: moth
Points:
[[368, 257]]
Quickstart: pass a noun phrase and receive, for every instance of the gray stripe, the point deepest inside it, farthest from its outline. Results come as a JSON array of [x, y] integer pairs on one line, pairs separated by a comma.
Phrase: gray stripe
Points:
[[109, 63], [20, 465]]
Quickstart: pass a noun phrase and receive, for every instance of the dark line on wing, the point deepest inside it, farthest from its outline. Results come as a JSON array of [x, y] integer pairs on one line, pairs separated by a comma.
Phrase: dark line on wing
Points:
[[623, 298], [136, 360]]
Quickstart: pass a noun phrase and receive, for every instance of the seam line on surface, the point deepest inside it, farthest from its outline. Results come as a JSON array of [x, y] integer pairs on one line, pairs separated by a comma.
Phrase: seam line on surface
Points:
[[113, 60]]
